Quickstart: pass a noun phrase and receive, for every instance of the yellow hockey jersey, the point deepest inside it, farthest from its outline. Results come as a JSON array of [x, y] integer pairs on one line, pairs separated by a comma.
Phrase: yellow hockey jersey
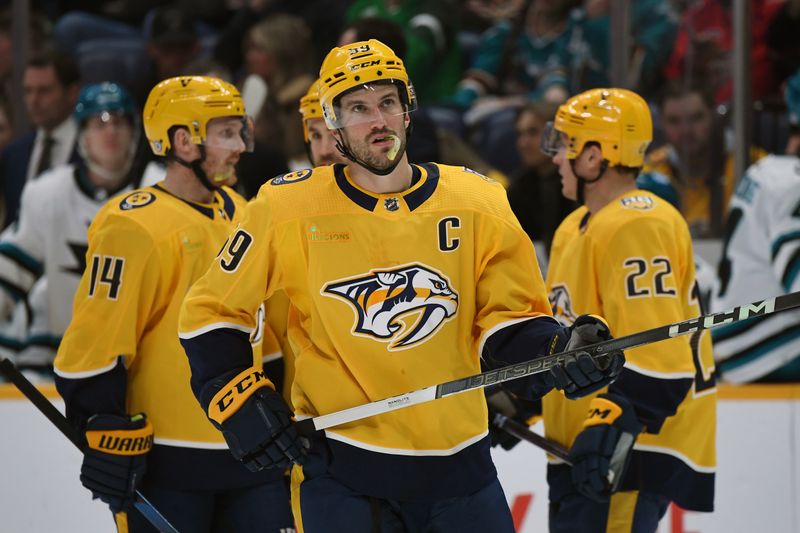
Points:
[[631, 262], [120, 353], [389, 293]]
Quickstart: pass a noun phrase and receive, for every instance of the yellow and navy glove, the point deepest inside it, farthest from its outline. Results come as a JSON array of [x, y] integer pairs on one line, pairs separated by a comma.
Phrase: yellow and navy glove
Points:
[[255, 421], [583, 374], [115, 458], [504, 402], [601, 451]]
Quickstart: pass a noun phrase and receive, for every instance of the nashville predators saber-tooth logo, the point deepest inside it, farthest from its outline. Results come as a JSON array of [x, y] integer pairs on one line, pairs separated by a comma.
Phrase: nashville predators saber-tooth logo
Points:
[[403, 306], [561, 304]]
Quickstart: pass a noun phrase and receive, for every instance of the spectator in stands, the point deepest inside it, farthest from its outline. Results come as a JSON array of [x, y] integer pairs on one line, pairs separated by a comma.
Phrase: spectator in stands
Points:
[[279, 58], [51, 84], [761, 259], [38, 31], [524, 58], [526, 55], [697, 158], [704, 46], [653, 25], [433, 56], [323, 17], [535, 191], [172, 44], [6, 123], [430, 140], [782, 41]]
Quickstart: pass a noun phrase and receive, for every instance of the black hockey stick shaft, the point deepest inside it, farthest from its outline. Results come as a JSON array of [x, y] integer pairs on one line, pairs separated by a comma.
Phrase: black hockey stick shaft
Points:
[[521, 431], [49, 410], [544, 363]]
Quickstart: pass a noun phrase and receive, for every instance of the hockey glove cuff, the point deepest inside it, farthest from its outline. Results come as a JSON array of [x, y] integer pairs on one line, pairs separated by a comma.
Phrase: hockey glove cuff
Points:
[[114, 460], [255, 421], [602, 449], [584, 374]]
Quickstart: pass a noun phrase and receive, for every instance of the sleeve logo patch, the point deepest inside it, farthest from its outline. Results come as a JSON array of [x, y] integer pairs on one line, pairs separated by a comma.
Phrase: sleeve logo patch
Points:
[[137, 199], [292, 177], [641, 203]]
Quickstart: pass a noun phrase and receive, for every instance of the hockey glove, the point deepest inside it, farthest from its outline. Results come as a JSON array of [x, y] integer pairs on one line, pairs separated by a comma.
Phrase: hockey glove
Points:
[[114, 460], [255, 421], [506, 403], [584, 374], [602, 449]]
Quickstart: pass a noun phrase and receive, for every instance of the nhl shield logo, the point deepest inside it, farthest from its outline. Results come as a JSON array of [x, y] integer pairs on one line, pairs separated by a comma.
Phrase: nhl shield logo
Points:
[[391, 204], [403, 306]]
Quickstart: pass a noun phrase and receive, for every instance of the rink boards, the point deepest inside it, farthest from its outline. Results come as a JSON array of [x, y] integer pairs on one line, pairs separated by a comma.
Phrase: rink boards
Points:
[[758, 486]]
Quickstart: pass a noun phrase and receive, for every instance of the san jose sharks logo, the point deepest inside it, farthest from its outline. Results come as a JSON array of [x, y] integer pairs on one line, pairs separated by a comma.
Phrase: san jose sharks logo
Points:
[[403, 306], [561, 304]]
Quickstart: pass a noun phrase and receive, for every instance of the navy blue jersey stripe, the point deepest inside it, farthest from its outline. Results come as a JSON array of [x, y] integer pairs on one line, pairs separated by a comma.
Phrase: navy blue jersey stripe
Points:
[[653, 399], [416, 198], [360, 198], [410, 478]]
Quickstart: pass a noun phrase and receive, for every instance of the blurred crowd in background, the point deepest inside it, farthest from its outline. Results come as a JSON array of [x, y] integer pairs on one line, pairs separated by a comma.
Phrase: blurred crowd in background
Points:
[[488, 75]]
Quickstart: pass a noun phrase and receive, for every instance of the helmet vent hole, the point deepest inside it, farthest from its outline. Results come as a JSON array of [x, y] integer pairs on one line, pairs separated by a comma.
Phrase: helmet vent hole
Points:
[[358, 78], [380, 73]]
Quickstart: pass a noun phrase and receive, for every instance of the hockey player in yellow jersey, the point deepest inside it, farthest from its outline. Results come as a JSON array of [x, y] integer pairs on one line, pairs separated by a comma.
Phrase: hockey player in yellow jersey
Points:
[[399, 277], [120, 367], [649, 439], [320, 142]]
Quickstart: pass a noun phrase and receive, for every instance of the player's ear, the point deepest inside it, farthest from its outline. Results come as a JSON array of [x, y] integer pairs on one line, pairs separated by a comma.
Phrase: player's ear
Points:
[[181, 141]]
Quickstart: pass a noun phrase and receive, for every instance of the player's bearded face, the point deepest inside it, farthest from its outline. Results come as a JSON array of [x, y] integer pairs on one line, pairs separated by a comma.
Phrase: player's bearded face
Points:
[[323, 144], [375, 125]]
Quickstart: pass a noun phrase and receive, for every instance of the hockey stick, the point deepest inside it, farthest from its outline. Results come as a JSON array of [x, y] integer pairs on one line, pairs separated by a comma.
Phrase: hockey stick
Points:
[[38, 399], [544, 363], [521, 431]]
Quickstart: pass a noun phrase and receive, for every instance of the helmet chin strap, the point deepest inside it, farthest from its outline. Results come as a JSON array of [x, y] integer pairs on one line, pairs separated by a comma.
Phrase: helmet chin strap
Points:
[[581, 197], [196, 167]]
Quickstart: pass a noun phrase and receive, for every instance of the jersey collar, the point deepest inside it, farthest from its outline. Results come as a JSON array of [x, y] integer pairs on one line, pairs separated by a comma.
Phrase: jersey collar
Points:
[[424, 180], [208, 210]]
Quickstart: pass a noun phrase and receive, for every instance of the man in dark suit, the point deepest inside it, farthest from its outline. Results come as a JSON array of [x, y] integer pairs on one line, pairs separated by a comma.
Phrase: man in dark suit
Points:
[[51, 84]]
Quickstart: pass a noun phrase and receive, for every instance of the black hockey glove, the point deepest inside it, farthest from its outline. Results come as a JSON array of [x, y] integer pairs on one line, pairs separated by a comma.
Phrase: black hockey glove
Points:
[[584, 375], [114, 460], [506, 403], [255, 421], [601, 451]]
